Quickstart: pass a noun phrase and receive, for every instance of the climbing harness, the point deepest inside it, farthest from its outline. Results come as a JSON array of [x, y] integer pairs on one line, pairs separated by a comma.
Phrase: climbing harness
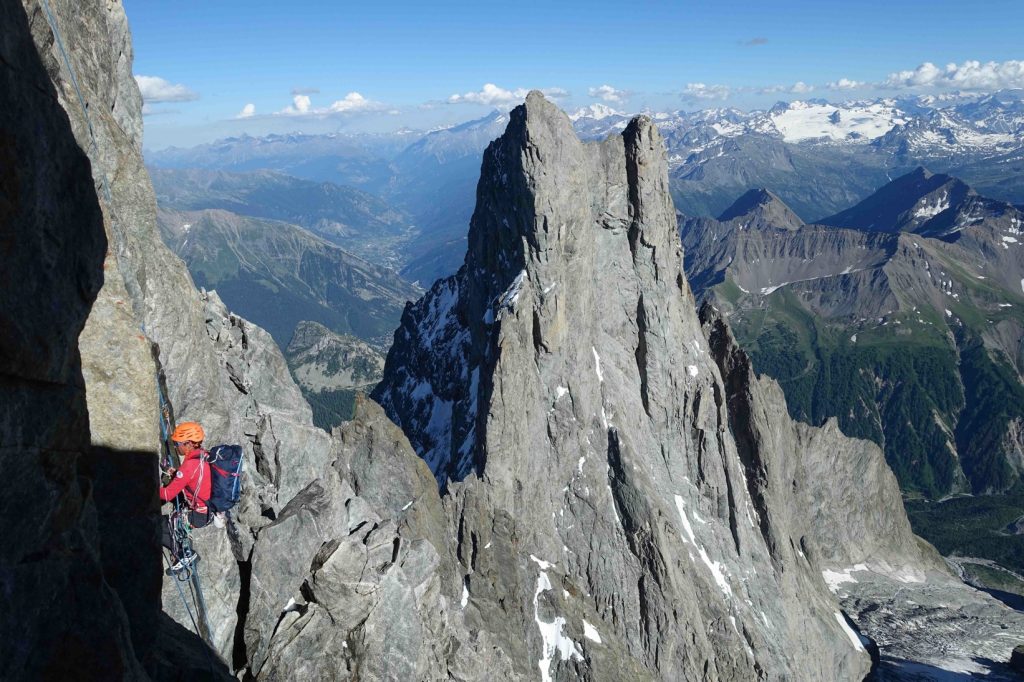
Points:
[[182, 567]]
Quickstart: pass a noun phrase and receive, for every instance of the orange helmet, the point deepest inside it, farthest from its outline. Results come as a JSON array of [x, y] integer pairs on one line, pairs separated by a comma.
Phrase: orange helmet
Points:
[[190, 432]]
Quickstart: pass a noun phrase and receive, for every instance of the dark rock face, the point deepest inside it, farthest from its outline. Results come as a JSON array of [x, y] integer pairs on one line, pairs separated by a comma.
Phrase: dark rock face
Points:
[[1017, 659], [617, 484], [62, 616], [80, 426]]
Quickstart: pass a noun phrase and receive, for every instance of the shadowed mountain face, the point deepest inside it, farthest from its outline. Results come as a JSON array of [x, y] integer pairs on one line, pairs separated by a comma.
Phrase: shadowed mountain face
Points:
[[765, 207], [908, 325], [65, 611], [279, 274], [919, 202]]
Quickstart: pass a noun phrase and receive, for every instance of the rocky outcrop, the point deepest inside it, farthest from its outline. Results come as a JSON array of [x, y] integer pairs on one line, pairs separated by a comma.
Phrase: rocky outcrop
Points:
[[858, 523], [345, 582], [81, 392], [69, 609], [617, 484]]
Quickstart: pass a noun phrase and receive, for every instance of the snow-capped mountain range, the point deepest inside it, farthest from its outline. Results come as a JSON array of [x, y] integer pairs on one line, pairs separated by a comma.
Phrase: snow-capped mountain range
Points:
[[818, 157], [964, 124]]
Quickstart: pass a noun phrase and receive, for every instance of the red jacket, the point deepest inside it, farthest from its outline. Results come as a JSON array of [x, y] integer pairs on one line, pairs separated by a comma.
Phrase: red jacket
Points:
[[191, 477]]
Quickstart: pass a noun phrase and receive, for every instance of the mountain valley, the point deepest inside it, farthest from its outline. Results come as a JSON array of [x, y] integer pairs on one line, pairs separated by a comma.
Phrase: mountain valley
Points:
[[280, 274], [331, 370]]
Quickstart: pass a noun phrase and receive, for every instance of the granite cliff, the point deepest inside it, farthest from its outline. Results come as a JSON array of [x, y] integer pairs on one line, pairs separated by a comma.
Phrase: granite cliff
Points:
[[623, 497], [624, 489], [96, 311]]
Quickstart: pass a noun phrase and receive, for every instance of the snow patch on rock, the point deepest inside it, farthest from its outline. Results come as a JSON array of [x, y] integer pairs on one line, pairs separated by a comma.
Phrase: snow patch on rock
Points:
[[716, 568], [836, 578], [591, 633], [854, 638], [551, 633]]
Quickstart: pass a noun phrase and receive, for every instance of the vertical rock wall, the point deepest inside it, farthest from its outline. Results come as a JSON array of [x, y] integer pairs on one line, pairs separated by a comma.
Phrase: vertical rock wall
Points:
[[94, 294], [612, 494], [62, 617], [95, 308]]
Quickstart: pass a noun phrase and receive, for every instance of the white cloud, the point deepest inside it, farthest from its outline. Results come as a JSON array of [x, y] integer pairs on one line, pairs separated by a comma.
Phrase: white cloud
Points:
[[609, 94], [701, 91], [971, 75], [156, 89], [248, 111], [351, 103], [492, 95], [798, 88], [305, 91], [845, 84]]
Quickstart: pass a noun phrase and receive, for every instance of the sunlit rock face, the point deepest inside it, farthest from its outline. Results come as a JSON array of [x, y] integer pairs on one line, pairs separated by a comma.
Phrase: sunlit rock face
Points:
[[603, 463]]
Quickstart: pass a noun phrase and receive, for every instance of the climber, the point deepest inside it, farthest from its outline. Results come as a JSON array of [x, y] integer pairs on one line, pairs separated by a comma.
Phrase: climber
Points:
[[192, 481]]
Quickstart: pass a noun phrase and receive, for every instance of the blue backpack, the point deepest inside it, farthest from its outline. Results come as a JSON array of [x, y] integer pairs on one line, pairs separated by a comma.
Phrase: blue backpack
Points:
[[225, 477]]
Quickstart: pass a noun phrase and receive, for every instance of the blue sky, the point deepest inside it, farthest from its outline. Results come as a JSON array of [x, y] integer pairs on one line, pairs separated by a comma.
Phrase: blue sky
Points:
[[386, 65]]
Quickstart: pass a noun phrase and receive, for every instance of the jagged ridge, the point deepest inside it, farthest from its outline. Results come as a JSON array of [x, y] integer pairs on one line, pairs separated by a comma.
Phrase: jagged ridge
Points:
[[561, 387]]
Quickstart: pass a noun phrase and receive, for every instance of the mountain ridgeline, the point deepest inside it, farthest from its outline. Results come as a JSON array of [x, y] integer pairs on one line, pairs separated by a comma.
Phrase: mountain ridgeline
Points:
[[592, 434], [819, 157], [357, 221], [902, 316]]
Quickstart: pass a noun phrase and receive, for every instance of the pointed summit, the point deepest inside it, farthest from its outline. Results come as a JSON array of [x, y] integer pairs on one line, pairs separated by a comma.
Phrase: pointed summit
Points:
[[595, 112], [564, 394], [762, 208], [906, 204]]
